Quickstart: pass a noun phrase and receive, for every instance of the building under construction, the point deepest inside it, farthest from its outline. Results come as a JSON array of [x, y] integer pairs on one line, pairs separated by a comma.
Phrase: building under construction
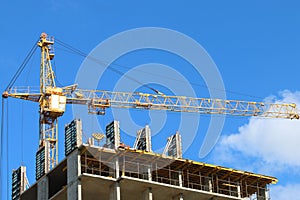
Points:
[[93, 172], [116, 171]]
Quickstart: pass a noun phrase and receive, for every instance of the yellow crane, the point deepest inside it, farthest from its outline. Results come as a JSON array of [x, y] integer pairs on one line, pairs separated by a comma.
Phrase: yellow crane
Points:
[[52, 102]]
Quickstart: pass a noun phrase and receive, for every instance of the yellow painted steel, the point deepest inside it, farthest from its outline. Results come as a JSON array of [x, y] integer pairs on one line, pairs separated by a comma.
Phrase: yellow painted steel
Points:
[[99, 100], [48, 130]]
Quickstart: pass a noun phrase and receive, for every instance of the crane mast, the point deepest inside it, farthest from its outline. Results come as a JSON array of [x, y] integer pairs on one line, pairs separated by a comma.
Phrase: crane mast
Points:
[[47, 54], [52, 102]]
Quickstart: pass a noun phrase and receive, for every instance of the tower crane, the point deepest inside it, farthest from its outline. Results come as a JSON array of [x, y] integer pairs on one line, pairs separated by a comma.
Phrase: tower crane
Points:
[[52, 102]]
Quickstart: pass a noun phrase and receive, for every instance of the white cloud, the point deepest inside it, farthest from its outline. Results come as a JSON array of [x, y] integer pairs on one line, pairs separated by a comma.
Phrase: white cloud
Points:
[[268, 146], [287, 192], [274, 141]]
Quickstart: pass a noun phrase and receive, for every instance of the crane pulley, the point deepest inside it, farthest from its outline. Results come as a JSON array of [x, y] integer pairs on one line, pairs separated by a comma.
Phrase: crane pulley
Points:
[[52, 102]]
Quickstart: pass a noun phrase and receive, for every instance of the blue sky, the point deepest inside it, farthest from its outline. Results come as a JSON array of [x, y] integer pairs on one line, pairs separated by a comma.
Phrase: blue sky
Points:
[[254, 44]]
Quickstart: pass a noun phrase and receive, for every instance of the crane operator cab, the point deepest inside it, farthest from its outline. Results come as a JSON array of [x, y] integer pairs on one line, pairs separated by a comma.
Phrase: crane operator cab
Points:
[[53, 103]]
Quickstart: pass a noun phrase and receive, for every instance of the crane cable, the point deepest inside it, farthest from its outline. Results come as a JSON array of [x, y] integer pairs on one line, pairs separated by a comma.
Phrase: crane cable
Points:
[[7, 151], [78, 52], [1, 147], [2, 157], [72, 49], [11, 83], [22, 66]]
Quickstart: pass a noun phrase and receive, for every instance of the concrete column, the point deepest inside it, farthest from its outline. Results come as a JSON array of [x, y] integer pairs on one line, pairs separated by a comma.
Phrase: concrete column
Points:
[[123, 166], [180, 179], [115, 192], [117, 168], [149, 174], [180, 196], [43, 188], [239, 191], [73, 172], [267, 194], [210, 186], [148, 194], [118, 191]]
